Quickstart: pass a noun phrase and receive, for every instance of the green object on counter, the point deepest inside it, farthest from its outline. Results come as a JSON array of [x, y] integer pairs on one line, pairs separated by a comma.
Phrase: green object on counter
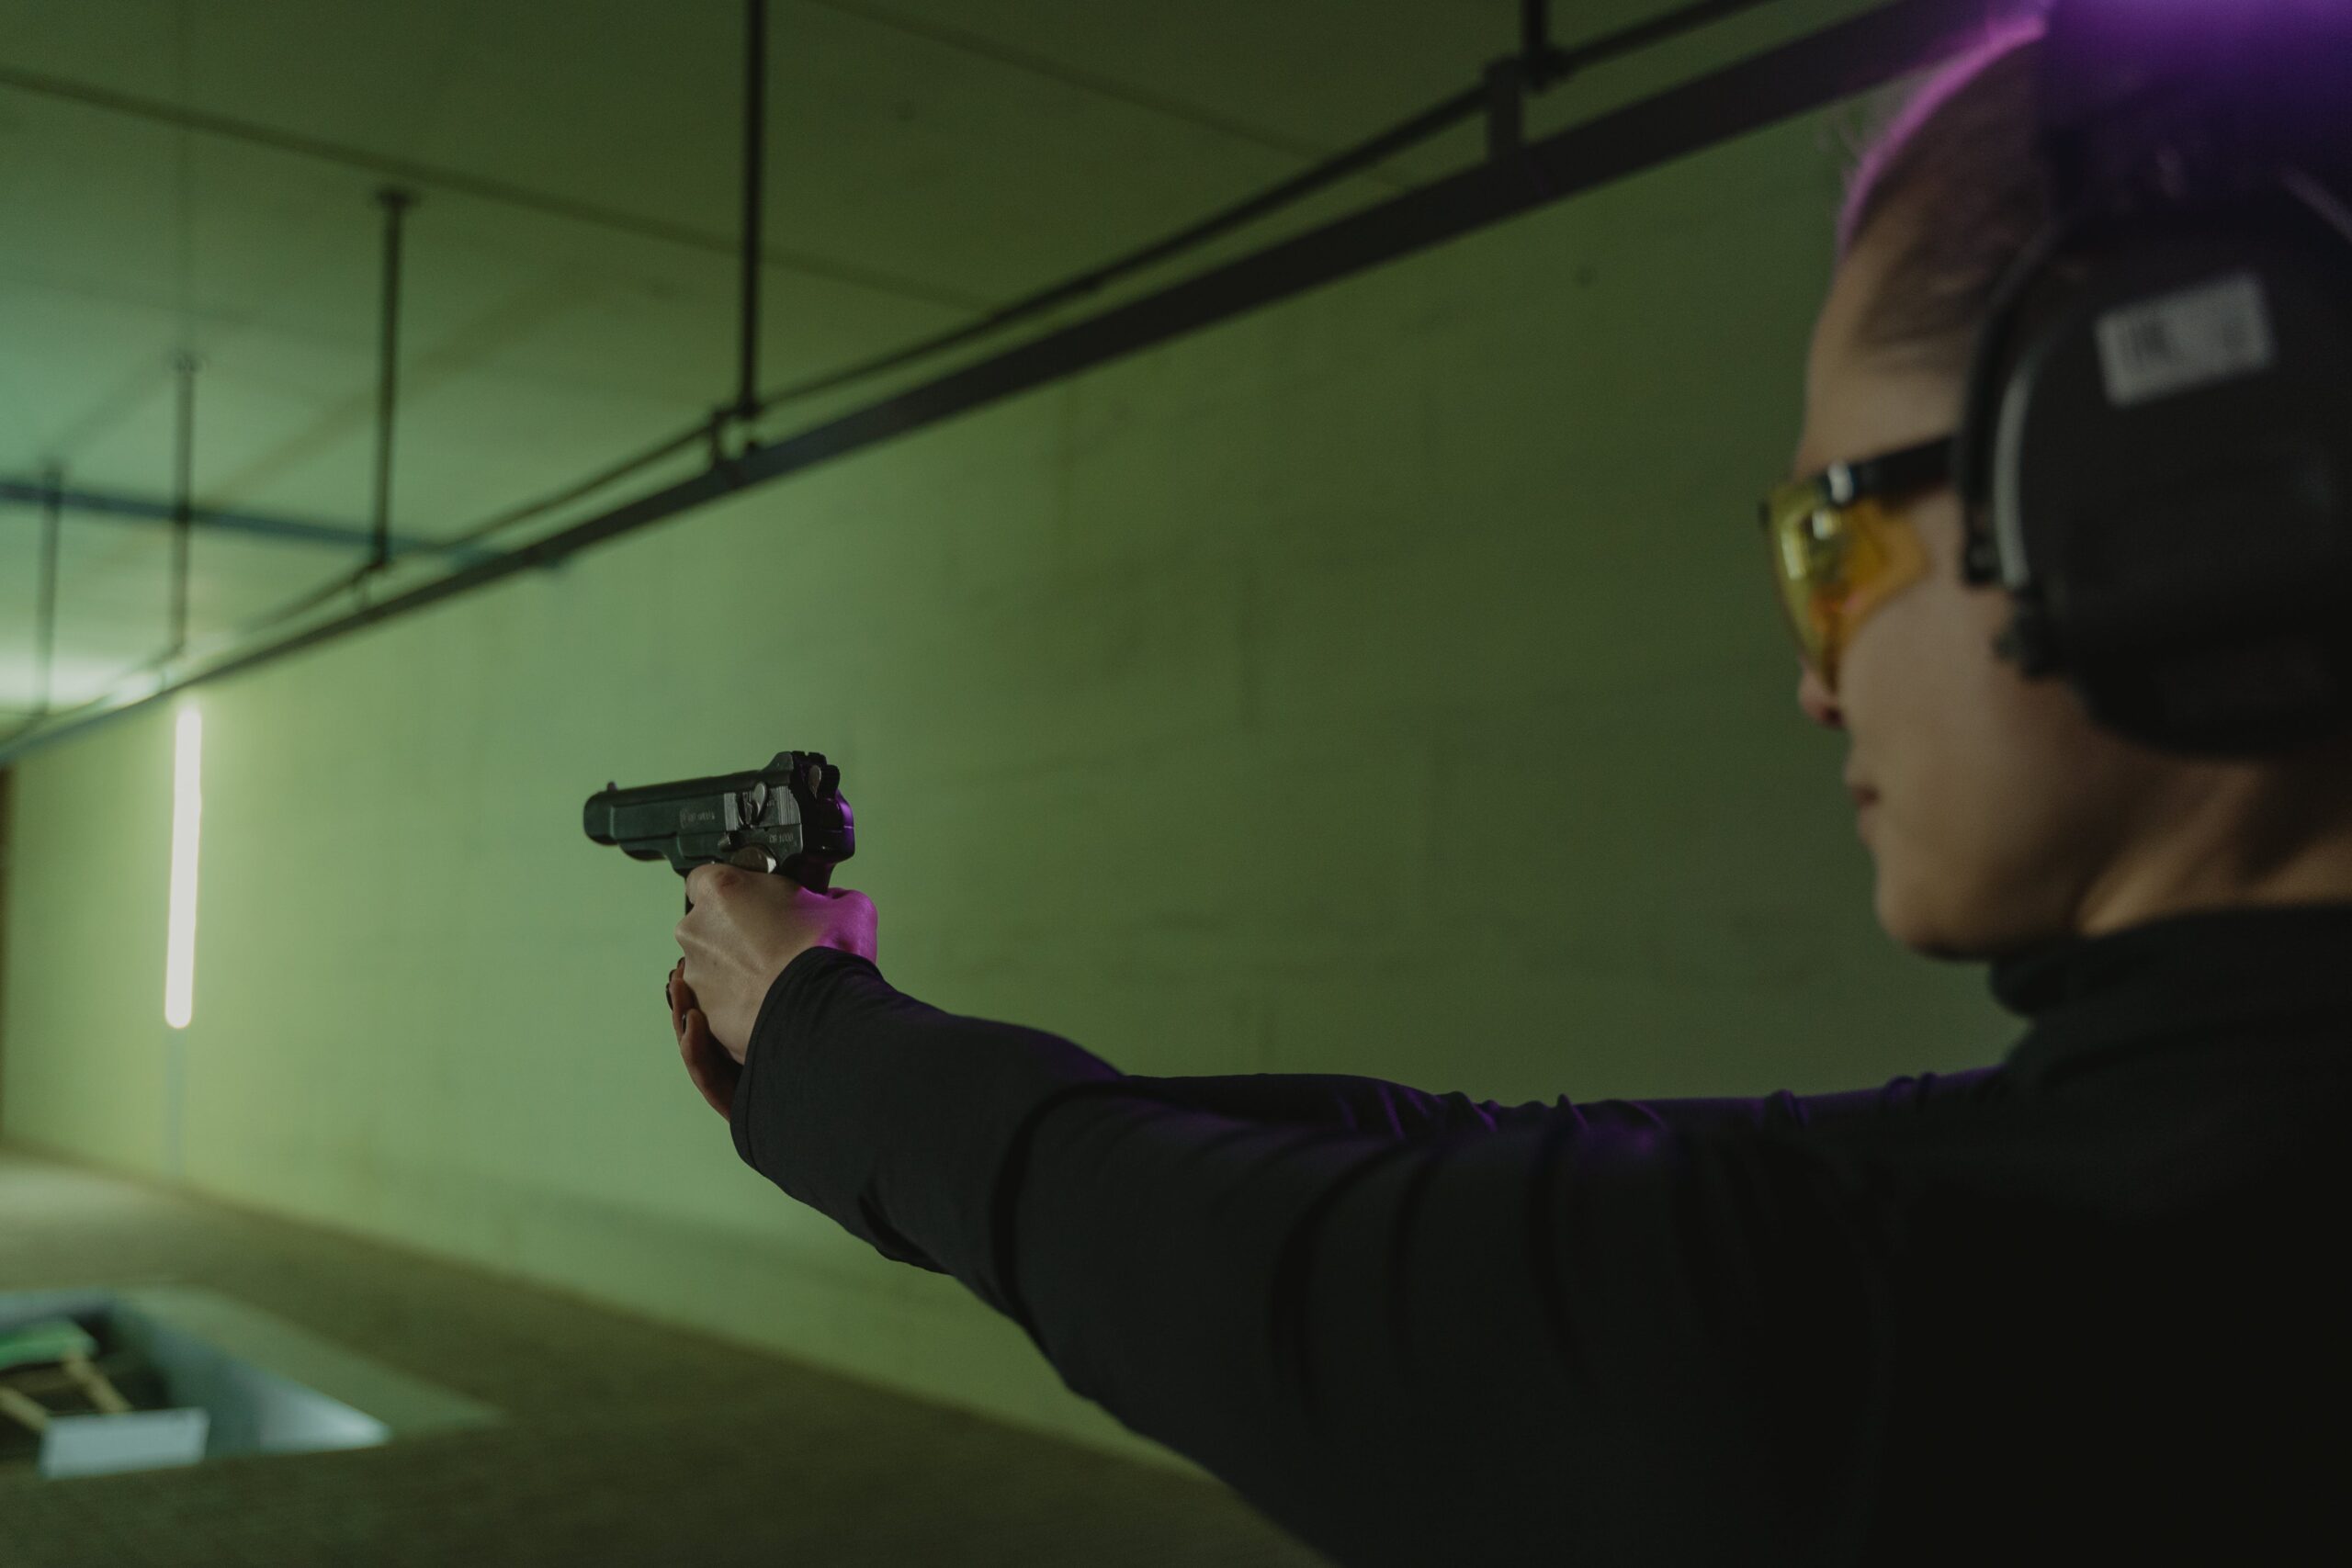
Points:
[[50, 1339]]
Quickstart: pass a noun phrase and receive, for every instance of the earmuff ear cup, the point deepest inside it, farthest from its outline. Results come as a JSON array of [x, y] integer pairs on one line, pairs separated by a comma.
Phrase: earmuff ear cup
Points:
[[2171, 465], [2155, 452]]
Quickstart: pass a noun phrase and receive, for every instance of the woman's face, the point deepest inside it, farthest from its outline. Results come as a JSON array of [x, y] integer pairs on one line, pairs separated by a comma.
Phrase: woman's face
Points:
[[2004, 816]]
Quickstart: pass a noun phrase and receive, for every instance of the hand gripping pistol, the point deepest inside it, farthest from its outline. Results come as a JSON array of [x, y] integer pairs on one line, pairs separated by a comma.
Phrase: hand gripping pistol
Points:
[[788, 817]]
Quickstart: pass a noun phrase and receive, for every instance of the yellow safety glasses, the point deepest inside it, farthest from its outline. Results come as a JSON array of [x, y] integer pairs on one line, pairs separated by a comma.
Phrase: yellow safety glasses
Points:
[[1841, 546]]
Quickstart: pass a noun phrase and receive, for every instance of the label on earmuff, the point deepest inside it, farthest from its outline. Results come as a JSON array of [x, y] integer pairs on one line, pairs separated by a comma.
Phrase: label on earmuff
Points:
[[2216, 331]]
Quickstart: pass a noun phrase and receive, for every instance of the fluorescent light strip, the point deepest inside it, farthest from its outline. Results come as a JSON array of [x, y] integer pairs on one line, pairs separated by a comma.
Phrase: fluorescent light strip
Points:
[[187, 815]]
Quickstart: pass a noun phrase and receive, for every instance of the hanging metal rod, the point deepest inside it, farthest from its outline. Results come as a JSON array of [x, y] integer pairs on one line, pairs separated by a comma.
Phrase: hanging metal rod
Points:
[[183, 499], [1853, 56], [395, 203], [45, 622], [755, 136]]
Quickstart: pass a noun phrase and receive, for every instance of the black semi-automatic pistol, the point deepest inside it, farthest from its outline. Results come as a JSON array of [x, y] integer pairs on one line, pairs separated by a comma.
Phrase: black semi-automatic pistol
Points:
[[786, 817]]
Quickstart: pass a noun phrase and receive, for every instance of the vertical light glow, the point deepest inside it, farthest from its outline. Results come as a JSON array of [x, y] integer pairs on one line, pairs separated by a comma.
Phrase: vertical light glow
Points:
[[187, 814]]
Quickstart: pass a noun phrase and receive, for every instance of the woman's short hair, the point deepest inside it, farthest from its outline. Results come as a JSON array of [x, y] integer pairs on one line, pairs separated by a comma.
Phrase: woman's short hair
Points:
[[1957, 168]]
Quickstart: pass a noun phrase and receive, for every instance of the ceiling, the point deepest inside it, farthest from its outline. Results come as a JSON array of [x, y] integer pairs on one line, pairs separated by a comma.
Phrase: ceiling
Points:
[[200, 178]]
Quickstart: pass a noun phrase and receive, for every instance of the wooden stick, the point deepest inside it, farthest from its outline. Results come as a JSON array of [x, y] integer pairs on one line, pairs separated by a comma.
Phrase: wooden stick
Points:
[[23, 1409], [37, 1382], [94, 1383]]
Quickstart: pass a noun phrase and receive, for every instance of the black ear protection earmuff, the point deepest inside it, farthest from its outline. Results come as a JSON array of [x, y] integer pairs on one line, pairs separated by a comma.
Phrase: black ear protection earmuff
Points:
[[2158, 470]]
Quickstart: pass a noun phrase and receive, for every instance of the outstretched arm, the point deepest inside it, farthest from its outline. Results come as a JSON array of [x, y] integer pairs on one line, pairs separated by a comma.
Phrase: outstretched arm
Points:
[[1558, 1337]]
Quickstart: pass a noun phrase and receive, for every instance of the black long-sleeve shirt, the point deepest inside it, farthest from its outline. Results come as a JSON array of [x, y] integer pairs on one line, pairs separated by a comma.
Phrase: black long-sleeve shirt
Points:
[[2085, 1304]]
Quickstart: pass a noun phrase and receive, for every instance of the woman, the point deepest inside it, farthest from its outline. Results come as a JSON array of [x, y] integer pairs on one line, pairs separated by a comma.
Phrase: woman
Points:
[[1998, 813], [2080, 1306]]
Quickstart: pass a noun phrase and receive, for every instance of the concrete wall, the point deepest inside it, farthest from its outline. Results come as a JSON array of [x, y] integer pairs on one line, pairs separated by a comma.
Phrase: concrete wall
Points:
[[1387, 682]]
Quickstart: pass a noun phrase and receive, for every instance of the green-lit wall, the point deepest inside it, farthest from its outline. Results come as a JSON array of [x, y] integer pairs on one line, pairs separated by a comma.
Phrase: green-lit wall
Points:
[[1386, 683]]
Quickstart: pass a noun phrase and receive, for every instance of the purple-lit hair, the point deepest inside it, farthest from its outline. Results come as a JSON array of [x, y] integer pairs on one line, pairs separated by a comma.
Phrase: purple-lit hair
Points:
[[1901, 151], [1957, 181], [1957, 168]]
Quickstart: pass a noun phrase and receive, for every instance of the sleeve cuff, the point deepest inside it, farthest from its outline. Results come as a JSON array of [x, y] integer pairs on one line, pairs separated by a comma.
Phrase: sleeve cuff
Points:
[[900, 1122]]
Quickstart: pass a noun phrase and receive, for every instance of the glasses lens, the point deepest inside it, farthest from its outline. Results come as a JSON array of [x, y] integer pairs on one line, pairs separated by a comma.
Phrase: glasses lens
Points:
[[1835, 565], [1807, 564]]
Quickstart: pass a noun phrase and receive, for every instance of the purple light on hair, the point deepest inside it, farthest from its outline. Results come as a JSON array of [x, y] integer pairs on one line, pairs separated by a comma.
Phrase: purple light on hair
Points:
[[1922, 107]]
